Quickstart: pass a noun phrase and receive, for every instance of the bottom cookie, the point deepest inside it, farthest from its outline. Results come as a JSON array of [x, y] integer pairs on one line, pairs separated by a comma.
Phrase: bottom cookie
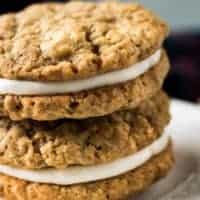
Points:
[[117, 188]]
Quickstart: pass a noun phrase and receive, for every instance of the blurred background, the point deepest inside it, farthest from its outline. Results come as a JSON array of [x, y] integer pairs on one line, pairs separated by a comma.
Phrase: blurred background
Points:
[[183, 44]]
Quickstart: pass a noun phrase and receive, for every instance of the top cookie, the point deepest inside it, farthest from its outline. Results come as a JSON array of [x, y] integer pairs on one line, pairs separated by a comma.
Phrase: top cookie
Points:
[[56, 41]]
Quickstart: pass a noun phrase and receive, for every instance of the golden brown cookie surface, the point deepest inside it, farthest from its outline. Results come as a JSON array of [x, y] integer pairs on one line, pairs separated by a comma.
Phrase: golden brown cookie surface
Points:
[[76, 40], [91, 103], [111, 189], [59, 144]]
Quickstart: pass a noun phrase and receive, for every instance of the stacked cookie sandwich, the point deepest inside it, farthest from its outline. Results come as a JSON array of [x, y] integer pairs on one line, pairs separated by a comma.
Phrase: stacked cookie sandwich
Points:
[[82, 110]]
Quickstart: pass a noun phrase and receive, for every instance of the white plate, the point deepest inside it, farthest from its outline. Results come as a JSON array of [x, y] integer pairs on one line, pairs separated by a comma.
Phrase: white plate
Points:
[[183, 183]]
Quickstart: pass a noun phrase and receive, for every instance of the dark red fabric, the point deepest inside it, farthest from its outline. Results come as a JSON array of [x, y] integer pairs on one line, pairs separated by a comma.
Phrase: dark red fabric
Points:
[[184, 78]]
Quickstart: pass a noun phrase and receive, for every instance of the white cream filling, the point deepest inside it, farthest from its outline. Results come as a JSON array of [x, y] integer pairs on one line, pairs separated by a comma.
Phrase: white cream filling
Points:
[[84, 174], [21, 87]]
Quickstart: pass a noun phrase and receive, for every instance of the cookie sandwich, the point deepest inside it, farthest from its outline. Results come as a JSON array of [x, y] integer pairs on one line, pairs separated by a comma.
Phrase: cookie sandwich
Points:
[[83, 114]]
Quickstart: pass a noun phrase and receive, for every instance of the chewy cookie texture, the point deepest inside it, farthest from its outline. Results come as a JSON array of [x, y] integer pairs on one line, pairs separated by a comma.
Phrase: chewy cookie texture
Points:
[[59, 144], [74, 41], [117, 188], [91, 103]]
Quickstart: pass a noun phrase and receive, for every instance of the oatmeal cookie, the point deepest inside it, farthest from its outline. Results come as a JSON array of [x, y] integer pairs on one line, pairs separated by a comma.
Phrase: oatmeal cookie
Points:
[[85, 104], [59, 144], [66, 41], [117, 188]]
